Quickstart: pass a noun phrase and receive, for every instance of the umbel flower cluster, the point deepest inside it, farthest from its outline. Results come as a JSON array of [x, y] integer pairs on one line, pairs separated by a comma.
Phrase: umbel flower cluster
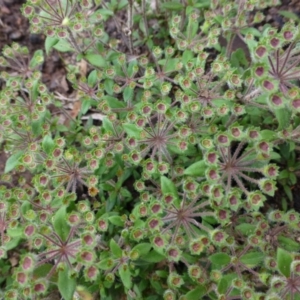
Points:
[[183, 187]]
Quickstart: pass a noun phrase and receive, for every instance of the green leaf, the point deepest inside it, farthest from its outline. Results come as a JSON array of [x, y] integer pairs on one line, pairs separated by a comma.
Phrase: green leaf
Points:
[[288, 244], [107, 125], [168, 186], [284, 174], [34, 96], [203, 4], [191, 150], [169, 64], [36, 127], [125, 275], [96, 60], [283, 117], [196, 169], [128, 93], [293, 178], [221, 102], [37, 59], [25, 207], [66, 284], [12, 161], [251, 30], [106, 264], [289, 15], [42, 271], [125, 193], [285, 151], [225, 282], [284, 205], [252, 258], [108, 86], [186, 56], [111, 201], [114, 102], [288, 192], [92, 78], [103, 13], [63, 46], [292, 147], [116, 220], [59, 223], [16, 232], [142, 248], [154, 257], [220, 259], [115, 249], [196, 293], [122, 4], [251, 43], [85, 105], [131, 68], [238, 58], [297, 296], [172, 6], [219, 19], [268, 135], [245, 228], [13, 243], [132, 130], [209, 220], [107, 187], [61, 128], [284, 260], [193, 25], [47, 144], [49, 43]]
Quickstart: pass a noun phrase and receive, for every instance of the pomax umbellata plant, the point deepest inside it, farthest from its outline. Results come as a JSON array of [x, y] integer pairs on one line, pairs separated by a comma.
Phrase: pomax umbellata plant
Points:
[[173, 192]]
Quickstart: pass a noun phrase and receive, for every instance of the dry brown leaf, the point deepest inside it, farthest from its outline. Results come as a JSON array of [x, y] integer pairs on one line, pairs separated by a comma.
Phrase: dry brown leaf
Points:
[[64, 83], [74, 112], [83, 67]]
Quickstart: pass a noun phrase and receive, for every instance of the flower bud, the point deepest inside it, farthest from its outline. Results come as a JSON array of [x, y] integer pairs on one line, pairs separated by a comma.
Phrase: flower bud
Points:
[[86, 257], [212, 175], [260, 51], [159, 242], [21, 278], [154, 224], [276, 101], [91, 273], [40, 287], [267, 186], [275, 43], [27, 263], [173, 253], [292, 217], [276, 216], [218, 237], [175, 280], [11, 295], [255, 201], [196, 246], [137, 234], [234, 199], [102, 225]]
